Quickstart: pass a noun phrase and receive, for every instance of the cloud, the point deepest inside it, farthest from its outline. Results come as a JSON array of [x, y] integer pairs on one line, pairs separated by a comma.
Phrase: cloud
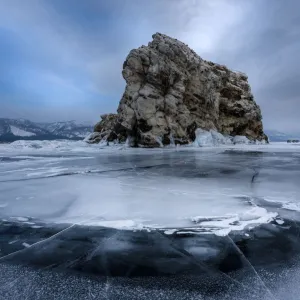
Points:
[[68, 55]]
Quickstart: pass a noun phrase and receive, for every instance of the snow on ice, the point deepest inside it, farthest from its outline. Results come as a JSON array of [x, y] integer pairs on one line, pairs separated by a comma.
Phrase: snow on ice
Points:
[[133, 189]]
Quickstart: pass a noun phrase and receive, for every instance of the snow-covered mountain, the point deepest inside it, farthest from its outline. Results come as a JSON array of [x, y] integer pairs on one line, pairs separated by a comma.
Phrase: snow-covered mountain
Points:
[[21, 129], [69, 129], [277, 136]]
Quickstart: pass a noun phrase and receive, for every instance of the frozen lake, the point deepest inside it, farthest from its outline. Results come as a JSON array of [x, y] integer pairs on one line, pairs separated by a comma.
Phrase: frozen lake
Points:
[[207, 188], [207, 194]]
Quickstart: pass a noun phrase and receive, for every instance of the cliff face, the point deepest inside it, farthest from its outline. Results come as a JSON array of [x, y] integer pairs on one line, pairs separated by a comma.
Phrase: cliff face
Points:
[[171, 92]]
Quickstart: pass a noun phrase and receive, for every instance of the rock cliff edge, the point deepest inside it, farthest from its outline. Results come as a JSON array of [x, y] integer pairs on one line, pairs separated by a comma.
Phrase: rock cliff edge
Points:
[[171, 91]]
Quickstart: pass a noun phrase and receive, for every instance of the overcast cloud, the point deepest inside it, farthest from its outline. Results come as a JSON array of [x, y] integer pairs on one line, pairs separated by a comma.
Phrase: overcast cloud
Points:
[[62, 60]]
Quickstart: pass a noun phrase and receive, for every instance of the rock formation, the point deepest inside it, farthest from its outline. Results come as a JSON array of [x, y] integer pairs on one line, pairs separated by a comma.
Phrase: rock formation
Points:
[[171, 92]]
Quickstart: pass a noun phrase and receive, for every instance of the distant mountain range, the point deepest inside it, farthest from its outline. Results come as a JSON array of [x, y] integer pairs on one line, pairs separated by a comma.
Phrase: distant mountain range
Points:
[[277, 136], [21, 129]]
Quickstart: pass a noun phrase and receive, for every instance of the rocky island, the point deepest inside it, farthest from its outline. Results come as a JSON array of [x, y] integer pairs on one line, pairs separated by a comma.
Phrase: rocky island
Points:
[[172, 94]]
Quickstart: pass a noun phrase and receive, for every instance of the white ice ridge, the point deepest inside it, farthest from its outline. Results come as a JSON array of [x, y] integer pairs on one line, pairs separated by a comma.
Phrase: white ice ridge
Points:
[[288, 202], [220, 226], [19, 132], [214, 138], [45, 146], [210, 138], [205, 140], [224, 225]]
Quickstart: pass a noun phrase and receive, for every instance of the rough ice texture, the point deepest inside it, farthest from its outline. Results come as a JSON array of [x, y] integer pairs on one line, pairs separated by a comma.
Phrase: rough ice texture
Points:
[[211, 138], [171, 91], [224, 225]]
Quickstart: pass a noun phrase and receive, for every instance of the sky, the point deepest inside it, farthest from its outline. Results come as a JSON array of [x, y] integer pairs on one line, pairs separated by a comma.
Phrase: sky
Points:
[[62, 60]]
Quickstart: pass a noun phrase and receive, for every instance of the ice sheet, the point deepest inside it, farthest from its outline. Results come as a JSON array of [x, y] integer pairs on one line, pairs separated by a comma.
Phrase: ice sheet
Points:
[[63, 181]]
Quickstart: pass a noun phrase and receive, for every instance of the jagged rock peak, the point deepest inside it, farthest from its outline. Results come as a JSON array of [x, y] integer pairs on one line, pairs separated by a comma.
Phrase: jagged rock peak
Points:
[[171, 91]]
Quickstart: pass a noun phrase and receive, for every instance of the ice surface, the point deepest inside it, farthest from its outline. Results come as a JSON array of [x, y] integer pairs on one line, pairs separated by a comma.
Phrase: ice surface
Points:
[[58, 146], [175, 208], [120, 201], [23, 147], [73, 182]]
